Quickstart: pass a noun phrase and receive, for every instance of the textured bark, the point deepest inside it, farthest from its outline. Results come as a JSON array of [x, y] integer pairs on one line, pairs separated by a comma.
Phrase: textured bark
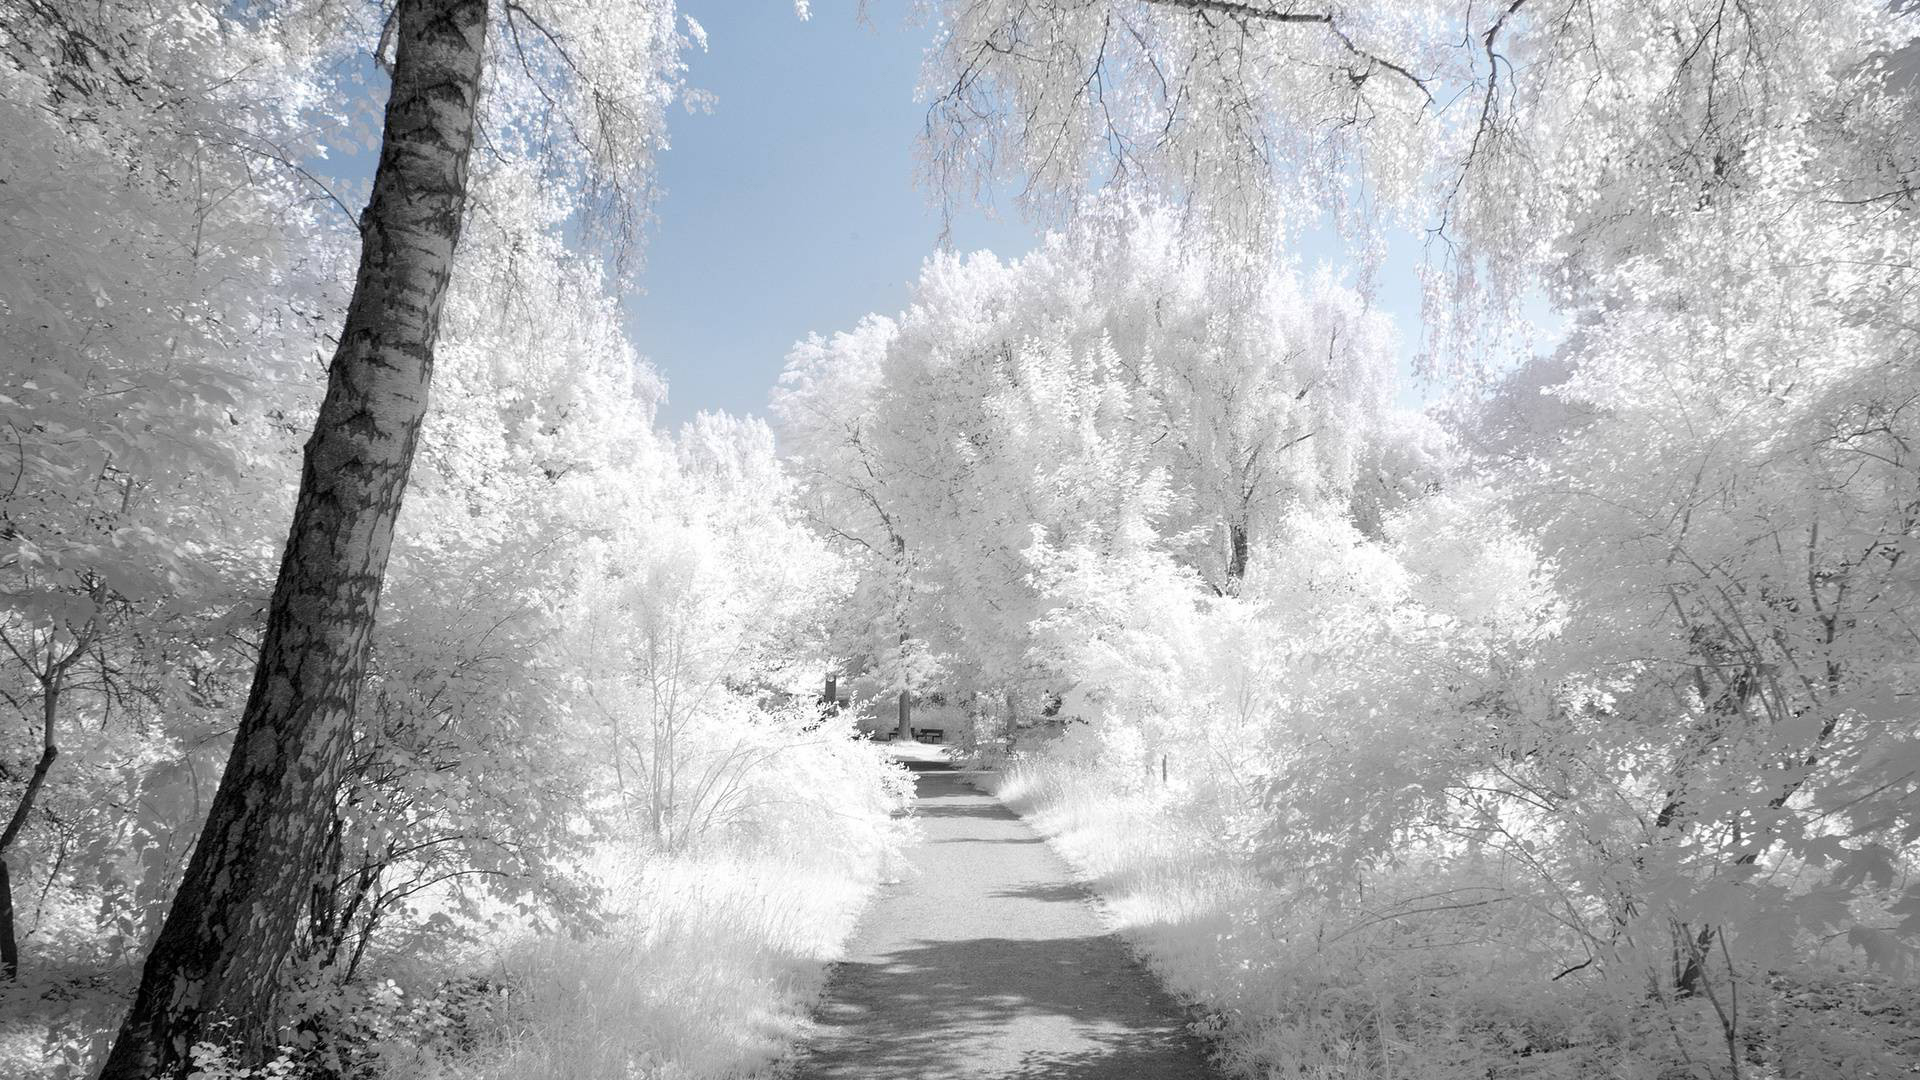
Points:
[[906, 715], [215, 968], [1237, 555]]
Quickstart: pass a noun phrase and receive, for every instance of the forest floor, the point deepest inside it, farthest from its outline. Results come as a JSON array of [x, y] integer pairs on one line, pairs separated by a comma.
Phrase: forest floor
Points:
[[987, 959]]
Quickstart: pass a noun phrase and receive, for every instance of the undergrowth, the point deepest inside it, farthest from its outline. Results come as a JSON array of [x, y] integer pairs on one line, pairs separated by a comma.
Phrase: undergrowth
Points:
[[701, 965], [1290, 987]]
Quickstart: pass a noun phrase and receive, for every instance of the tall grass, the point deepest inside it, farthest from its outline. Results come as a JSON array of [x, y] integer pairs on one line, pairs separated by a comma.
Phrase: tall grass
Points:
[[702, 963], [710, 970], [711, 956]]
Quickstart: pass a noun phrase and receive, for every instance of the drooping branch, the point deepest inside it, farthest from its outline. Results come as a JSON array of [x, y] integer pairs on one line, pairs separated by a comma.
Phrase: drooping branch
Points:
[[1246, 14]]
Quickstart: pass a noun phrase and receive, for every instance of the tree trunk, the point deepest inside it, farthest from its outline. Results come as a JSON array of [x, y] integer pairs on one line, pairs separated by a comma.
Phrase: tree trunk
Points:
[[830, 696], [906, 696], [22, 810], [1237, 556], [215, 968], [9, 943]]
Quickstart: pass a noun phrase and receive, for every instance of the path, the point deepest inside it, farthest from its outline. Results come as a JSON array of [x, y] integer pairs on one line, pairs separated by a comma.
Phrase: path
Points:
[[987, 961]]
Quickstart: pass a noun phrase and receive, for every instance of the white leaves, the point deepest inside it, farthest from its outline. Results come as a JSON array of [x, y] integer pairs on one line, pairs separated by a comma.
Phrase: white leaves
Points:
[[1126, 389], [1528, 143], [584, 88]]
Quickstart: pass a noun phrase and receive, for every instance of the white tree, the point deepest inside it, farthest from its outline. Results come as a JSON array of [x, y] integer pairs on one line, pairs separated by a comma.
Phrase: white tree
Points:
[[572, 95], [830, 427], [159, 319], [1096, 392], [1532, 140], [1721, 196]]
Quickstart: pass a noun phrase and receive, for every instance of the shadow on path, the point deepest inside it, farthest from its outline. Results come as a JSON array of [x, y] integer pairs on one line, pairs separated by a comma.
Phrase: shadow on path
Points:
[[987, 961], [1066, 892], [963, 811]]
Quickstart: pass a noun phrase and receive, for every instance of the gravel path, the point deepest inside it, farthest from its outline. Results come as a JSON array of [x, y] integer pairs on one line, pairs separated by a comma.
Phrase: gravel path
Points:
[[987, 960]]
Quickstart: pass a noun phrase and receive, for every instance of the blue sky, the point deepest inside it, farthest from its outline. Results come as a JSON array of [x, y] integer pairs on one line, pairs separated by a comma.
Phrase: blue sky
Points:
[[792, 208]]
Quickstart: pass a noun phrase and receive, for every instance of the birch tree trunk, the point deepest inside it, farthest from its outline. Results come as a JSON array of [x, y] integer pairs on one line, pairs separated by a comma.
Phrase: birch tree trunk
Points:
[[214, 971]]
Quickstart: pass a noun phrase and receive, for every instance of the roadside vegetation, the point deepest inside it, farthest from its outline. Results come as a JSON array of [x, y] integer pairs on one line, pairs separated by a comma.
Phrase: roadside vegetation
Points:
[[389, 693]]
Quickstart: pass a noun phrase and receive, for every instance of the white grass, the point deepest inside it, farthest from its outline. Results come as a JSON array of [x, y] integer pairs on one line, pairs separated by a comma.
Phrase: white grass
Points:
[[710, 968], [712, 971], [705, 964]]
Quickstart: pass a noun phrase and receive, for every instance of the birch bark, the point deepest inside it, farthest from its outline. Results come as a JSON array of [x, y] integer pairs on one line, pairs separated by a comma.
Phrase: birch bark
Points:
[[214, 970]]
